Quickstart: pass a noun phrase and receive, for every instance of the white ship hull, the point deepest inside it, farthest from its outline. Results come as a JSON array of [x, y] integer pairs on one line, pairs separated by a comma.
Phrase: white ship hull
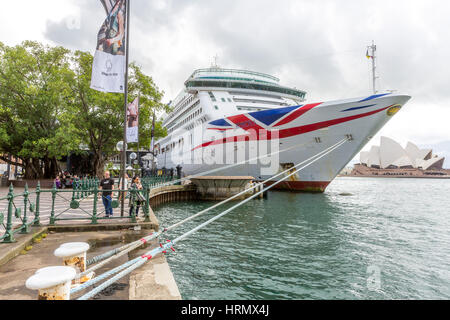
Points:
[[303, 131]]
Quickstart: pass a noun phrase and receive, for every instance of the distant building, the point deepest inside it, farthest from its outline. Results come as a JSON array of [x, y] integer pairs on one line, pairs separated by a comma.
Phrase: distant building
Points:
[[391, 155]]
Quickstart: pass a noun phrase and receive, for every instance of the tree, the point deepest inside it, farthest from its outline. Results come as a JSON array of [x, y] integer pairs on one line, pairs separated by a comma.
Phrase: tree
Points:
[[33, 124], [99, 117], [47, 108]]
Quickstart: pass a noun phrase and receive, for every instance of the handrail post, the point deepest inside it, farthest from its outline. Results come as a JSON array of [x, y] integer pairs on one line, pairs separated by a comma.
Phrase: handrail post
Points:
[[94, 210], [37, 219], [25, 227], [74, 186], [52, 213], [147, 204], [83, 189], [77, 194], [133, 204], [9, 235]]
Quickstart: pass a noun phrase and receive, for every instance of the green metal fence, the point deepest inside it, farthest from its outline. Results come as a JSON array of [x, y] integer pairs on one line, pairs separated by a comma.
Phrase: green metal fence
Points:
[[24, 210]]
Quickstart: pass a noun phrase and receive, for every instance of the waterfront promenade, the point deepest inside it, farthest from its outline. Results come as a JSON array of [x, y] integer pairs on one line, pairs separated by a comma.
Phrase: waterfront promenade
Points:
[[19, 260]]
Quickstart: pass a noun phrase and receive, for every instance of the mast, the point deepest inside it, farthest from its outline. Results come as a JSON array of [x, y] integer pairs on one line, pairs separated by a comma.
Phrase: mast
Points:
[[373, 50], [124, 149]]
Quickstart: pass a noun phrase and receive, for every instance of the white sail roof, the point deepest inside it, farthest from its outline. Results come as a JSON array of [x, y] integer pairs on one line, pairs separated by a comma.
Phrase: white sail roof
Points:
[[391, 153], [403, 162], [415, 153], [427, 164], [364, 157], [374, 157]]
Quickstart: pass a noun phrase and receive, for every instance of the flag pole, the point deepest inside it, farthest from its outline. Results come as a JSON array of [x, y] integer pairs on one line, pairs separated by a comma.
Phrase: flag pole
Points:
[[152, 144], [139, 120], [124, 149]]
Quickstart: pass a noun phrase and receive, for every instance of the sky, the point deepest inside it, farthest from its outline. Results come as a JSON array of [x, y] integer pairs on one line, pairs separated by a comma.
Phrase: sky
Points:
[[315, 45]]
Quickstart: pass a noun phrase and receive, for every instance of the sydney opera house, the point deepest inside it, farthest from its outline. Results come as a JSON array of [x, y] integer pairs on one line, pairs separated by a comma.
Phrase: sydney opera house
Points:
[[391, 158]]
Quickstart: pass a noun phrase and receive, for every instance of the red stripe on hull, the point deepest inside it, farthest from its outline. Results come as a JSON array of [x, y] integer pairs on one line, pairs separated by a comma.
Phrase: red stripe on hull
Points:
[[286, 133], [303, 186]]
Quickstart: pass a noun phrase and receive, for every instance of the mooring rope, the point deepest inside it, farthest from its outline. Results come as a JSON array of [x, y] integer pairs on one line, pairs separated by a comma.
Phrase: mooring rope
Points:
[[113, 252], [230, 166], [137, 262], [134, 245], [245, 191], [119, 252], [187, 234]]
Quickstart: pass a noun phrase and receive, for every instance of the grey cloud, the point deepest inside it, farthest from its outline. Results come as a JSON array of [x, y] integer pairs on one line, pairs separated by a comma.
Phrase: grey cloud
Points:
[[318, 46]]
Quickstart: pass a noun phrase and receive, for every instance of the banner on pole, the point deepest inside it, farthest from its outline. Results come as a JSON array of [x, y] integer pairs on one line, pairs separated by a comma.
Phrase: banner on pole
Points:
[[108, 69], [133, 121]]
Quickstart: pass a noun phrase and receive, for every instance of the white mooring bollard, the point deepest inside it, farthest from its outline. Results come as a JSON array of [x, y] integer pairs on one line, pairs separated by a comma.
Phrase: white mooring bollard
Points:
[[52, 283], [73, 254]]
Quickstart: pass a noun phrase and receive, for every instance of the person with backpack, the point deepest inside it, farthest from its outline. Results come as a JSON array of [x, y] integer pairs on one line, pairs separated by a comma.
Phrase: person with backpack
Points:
[[136, 198]]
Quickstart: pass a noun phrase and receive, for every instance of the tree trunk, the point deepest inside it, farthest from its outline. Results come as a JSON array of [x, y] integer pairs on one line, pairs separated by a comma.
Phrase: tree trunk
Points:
[[47, 168], [99, 164], [32, 169]]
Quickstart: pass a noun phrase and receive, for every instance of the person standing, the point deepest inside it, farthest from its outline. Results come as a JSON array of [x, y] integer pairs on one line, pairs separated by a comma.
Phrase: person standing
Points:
[[57, 182], [107, 185], [137, 199]]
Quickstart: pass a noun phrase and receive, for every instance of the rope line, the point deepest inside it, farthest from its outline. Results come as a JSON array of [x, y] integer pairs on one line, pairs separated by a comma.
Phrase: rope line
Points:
[[231, 165], [258, 193], [120, 253], [114, 251], [137, 262], [243, 192]]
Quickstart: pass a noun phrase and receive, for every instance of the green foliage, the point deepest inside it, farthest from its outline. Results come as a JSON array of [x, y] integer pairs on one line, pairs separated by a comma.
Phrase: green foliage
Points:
[[33, 86], [99, 116], [47, 108]]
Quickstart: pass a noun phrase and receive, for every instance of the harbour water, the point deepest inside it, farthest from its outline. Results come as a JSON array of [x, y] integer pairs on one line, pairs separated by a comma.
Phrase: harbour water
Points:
[[364, 238]]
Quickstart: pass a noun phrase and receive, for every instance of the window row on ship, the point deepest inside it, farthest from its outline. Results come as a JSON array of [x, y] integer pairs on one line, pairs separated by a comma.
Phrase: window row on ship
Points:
[[180, 142], [189, 118], [181, 105]]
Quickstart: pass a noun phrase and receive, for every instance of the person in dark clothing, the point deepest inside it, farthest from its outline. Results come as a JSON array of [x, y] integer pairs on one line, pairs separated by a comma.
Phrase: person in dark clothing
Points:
[[63, 182], [107, 185]]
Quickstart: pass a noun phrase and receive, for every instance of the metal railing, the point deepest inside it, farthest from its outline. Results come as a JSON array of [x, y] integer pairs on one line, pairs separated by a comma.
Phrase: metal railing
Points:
[[21, 211]]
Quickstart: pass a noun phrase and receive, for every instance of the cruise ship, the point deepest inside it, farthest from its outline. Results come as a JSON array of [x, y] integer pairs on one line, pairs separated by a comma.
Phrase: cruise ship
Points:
[[228, 122]]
